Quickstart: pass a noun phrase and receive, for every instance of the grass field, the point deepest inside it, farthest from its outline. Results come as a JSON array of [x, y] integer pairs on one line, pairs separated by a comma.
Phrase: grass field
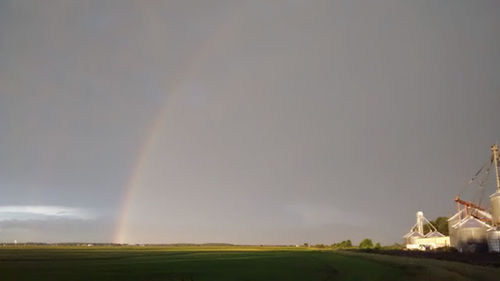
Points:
[[223, 263]]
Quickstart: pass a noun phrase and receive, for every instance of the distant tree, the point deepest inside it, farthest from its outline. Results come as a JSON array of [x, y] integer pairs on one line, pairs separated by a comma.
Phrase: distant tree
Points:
[[343, 245], [306, 244], [440, 223], [366, 244], [378, 246]]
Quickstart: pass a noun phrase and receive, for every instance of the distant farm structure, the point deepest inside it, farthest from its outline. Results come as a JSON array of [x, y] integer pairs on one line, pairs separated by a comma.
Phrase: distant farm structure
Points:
[[472, 228], [416, 239]]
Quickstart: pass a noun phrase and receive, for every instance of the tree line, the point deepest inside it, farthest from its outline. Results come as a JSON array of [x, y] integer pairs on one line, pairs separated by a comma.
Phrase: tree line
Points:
[[440, 223], [366, 243]]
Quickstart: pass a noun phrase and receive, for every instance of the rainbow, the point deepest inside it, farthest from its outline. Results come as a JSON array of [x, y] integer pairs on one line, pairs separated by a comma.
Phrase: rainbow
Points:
[[173, 87]]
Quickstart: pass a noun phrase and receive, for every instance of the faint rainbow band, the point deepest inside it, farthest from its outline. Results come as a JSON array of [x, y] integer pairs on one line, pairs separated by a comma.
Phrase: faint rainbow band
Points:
[[172, 87]]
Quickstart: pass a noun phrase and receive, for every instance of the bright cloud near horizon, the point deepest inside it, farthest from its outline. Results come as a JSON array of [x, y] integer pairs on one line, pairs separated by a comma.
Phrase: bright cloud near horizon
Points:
[[23, 213], [253, 122]]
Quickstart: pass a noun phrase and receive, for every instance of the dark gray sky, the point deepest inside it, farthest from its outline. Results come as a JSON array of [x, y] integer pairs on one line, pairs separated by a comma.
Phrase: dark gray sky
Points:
[[241, 121]]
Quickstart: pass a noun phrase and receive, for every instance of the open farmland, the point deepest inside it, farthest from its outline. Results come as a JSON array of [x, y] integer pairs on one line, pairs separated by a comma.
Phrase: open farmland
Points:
[[223, 263]]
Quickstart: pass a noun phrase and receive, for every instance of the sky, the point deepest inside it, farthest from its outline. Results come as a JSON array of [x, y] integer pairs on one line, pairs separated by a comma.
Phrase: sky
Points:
[[249, 122]]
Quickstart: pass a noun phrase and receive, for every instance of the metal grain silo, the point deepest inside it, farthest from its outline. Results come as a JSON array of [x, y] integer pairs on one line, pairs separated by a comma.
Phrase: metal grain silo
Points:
[[493, 235], [412, 237], [471, 235], [495, 208], [453, 223]]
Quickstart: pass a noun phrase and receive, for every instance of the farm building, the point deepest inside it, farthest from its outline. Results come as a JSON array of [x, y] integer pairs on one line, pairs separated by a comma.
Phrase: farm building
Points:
[[472, 228], [416, 239]]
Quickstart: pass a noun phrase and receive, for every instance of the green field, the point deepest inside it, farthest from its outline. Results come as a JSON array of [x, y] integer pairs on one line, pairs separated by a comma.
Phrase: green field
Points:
[[223, 263]]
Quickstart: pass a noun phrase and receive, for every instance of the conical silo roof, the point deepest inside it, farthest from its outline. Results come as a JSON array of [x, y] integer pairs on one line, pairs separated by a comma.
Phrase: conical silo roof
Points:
[[413, 234], [470, 222], [434, 234]]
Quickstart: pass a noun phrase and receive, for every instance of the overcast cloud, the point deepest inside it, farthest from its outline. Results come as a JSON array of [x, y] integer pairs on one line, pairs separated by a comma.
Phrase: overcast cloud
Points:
[[259, 121]]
